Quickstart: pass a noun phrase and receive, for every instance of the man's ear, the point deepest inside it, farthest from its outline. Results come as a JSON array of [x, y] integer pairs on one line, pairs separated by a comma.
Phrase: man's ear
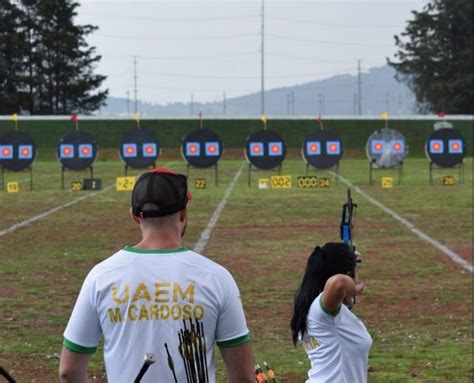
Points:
[[134, 218]]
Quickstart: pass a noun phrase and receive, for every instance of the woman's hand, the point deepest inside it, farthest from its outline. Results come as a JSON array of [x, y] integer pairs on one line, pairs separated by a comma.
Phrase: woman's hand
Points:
[[341, 289], [350, 301]]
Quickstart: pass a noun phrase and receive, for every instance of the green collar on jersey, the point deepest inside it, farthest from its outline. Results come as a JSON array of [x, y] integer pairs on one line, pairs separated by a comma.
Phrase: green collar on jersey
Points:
[[154, 251]]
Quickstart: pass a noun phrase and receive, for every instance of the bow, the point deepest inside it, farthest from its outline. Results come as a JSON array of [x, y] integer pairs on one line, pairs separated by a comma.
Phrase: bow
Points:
[[349, 210]]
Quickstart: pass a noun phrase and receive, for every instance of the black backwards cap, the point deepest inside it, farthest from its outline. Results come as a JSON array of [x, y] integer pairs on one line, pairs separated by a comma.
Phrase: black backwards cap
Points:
[[163, 188]]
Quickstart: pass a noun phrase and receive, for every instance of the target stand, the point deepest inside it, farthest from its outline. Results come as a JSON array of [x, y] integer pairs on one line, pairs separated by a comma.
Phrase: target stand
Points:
[[30, 171], [17, 153], [138, 150], [322, 151], [445, 149], [76, 151], [373, 167], [460, 167], [202, 149], [386, 149], [264, 150]]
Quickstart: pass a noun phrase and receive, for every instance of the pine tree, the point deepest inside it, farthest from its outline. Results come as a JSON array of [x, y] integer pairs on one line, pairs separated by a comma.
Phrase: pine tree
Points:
[[12, 64], [60, 64], [435, 56]]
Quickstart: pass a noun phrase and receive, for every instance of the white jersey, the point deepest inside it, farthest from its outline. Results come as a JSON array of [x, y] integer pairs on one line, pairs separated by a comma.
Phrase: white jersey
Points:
[[337, 345], [137, 299]]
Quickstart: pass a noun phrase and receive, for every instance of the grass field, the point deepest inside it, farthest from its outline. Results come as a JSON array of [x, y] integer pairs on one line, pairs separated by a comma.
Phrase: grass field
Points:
[[417, 304]]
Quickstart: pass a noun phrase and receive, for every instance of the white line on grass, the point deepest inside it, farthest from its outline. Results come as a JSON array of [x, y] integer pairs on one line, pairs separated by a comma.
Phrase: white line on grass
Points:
[[51, 211], [57, 208], [206, 234], [451, 254]]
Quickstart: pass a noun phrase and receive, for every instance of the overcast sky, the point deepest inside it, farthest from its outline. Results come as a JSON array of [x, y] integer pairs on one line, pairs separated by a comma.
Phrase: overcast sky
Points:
[[210, 47]]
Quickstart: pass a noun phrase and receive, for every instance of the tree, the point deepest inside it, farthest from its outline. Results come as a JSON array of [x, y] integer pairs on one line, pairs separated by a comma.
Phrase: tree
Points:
[[435, 56], [46, 65], [63, 64], [12, 64]]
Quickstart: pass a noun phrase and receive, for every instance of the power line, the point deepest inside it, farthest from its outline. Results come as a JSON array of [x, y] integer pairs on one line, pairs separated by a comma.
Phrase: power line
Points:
[[306, 40], [335, 25], [171, 19], [307, 58], [192, 57], [189, 38], [233, 77]]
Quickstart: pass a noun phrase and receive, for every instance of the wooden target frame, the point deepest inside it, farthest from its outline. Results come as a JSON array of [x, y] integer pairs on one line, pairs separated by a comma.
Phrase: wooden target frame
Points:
[[138, 149], [322, 150], [202, 149], [445, 149], [265, 150], [18, 151], [76, 151], [386, 149]]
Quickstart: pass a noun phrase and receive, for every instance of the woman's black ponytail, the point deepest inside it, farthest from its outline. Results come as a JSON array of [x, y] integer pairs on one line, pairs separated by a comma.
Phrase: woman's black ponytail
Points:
[[323, 263]]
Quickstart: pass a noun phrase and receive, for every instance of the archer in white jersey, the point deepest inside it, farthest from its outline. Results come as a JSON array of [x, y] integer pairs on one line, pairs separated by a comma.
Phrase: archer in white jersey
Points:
[[336, 341], [140, 298]]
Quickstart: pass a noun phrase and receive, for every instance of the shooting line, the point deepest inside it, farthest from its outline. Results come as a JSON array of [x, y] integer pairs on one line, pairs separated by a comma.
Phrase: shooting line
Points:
[[451, 254], [37, 217], [51, 211], [206, 234]]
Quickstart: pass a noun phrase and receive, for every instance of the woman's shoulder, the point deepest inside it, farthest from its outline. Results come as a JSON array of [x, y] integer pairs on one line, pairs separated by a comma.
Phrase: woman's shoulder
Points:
[[317, 309]]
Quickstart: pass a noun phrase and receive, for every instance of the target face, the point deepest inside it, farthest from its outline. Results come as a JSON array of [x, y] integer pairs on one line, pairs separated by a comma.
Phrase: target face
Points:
[[322, 150], [386, 148], [193, 149], [150, 150], [138, 148], [212, 149], [202, 148], [265, 149], [445, 147], [77, 150], [17, 150]]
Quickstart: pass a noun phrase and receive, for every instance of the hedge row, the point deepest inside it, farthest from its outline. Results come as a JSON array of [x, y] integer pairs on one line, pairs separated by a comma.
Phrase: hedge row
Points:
[[354, 133]]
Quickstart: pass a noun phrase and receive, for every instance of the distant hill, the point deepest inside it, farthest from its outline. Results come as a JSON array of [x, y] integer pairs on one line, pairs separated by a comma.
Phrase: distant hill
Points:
[[336, 95]]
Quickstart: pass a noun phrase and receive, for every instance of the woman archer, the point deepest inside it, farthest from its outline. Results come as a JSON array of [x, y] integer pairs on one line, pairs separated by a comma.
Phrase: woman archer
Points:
[[336, 341]]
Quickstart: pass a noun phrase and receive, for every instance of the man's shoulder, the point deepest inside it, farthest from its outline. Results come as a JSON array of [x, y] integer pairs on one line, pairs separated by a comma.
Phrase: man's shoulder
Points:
[[200, 261], [116, 260]]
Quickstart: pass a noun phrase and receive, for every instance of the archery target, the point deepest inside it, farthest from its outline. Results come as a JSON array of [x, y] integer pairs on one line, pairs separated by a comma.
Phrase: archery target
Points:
[[322, 150], [138, 148], [386, 148], [17, 150], [202, 148], [77, 150], [445, 147], [265, 149]]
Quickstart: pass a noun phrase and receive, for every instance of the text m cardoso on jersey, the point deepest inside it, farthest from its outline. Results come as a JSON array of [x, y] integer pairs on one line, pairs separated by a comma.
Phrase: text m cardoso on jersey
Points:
[[163, 301]]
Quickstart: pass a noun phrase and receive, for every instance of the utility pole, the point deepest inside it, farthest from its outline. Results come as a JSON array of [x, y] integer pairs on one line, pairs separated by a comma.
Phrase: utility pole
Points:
[[387, 101], [128, 102], [135, 83], [224, 104], [263, 60], [399, 104], [288, 104], [192, 104], [292, 103], [320, 97], [359, 89]]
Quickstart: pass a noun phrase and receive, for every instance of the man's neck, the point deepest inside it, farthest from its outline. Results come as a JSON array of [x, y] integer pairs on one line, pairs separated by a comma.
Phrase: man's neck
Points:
[[159, 242]]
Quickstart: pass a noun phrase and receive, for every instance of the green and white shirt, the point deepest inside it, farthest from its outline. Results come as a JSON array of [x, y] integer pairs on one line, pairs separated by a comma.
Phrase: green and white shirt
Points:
[[337, 345], [137, 299]]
